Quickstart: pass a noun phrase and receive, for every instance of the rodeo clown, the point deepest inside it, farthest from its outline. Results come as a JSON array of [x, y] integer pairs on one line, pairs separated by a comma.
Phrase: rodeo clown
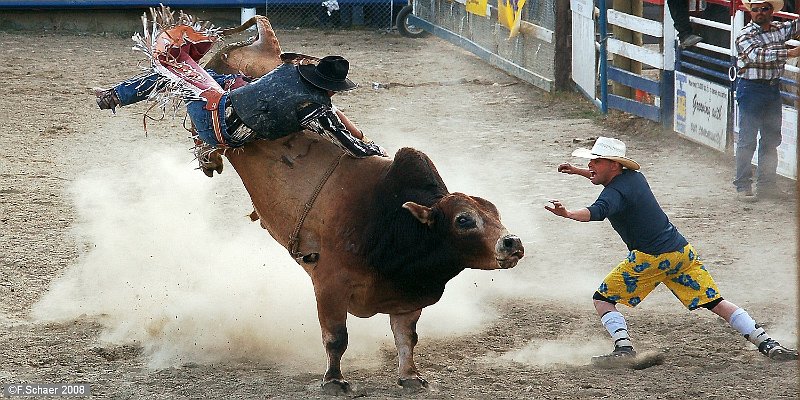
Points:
[[658, 253], [228, 111]]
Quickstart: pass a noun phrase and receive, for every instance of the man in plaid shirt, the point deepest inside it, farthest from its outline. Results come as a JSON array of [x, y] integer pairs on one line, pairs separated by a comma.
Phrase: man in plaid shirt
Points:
[[762, 55]]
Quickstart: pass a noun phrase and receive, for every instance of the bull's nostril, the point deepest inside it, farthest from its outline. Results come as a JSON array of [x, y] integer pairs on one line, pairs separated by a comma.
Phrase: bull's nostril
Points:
[[510, 241]]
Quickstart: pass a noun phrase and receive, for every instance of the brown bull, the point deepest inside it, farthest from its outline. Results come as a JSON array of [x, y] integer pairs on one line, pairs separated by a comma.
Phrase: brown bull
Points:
[[376, 235]]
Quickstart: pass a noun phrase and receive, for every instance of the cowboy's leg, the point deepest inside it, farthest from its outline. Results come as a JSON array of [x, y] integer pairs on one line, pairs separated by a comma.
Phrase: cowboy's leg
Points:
[[209, 140], [693, 285], [628, 283], [210, 125], [769, 141], [740, 320], [612, 320], [750, 102], [127, 92]]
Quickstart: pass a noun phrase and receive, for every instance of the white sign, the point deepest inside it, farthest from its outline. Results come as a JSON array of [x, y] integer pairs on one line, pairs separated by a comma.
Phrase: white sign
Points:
[[701, 110], [787, 151], [583, 47]]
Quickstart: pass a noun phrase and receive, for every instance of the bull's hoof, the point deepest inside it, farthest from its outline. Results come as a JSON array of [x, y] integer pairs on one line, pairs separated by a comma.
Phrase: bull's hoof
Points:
[[413, 384], [336, 387]]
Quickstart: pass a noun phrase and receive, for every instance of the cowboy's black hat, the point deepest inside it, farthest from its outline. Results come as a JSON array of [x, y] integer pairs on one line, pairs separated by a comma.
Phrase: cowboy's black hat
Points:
[[329, 74]]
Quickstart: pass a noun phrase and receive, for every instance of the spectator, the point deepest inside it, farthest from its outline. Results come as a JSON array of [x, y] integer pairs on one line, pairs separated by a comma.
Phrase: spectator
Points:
[[762, 54]]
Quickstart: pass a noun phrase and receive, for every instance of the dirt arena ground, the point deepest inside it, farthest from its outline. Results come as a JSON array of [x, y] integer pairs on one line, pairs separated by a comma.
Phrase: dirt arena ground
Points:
[[123, 267]]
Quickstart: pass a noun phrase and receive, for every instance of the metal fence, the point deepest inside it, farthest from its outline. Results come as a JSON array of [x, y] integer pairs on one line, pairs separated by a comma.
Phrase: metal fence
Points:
[[541, 13], [537, 54], [379, 14]]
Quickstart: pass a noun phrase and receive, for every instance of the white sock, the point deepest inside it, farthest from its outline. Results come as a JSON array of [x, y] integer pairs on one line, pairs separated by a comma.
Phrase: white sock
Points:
[[742, 322], [615, 324]]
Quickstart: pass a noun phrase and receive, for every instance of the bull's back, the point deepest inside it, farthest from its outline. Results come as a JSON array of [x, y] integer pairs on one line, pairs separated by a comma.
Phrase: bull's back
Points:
[[284, 175]]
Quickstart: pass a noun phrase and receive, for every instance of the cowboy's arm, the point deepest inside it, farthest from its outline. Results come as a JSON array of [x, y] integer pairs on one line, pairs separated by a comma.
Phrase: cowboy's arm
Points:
[[324, 121], [351, 127], [791, 28], [582, 215], [568, 168]]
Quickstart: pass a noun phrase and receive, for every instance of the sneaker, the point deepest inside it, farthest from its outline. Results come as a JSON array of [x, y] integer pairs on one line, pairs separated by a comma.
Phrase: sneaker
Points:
[[746, 196], [620, 354], [775, 351], [689, 41]]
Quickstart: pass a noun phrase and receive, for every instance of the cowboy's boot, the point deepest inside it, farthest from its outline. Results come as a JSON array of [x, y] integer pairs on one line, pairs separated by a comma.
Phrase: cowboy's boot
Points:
[[106, 99], [208, 158]]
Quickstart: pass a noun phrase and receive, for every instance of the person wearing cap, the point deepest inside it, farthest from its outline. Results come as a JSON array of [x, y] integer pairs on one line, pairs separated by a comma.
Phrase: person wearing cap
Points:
[[288, 99], [762, 54], [658, 253]]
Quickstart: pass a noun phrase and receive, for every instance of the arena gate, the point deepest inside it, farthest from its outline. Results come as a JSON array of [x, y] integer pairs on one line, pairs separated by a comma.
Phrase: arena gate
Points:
[[626, 59]]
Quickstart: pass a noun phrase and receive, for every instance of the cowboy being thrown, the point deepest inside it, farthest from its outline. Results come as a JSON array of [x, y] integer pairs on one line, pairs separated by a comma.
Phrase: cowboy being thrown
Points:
[[228, 111]]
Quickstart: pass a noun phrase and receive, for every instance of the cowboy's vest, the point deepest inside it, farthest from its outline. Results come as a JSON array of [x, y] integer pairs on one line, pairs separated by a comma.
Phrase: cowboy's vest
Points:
[[269, 106]]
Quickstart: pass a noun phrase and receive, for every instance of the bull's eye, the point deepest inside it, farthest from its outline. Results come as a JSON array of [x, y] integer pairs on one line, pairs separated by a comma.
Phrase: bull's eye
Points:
[[465, 221]]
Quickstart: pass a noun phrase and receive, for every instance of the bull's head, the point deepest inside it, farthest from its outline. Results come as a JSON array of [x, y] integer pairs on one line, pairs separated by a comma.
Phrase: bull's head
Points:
[[474, 229]]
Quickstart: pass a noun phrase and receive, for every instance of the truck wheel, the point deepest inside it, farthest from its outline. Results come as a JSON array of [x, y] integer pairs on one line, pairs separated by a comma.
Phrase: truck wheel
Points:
[[406, 29]]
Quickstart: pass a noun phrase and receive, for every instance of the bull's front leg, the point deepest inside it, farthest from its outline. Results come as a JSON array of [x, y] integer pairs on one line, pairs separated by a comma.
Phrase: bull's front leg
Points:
[[332, 313], [404, 328]]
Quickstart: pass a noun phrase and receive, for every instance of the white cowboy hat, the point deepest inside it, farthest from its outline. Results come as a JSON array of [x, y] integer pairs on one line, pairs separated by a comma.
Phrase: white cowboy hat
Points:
[[777, 5], [608, 148]]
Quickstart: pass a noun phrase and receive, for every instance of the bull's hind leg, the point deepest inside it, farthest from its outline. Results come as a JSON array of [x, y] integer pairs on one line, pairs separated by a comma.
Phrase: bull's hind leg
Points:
[[332, 313], [404, 327]]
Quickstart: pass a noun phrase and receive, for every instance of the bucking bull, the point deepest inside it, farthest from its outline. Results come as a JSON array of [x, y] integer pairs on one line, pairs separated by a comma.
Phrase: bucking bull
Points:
[[376, 235]]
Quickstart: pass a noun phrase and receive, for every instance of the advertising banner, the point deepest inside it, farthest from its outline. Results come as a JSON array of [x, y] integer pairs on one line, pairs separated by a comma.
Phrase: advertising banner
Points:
[[509, 14], [477, 7], [701, 110]]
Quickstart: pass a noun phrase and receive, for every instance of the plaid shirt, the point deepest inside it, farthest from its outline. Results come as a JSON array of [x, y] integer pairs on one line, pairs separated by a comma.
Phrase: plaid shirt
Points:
[[762, 54]]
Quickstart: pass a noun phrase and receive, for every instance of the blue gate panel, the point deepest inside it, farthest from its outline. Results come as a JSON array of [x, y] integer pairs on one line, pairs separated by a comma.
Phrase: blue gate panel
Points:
[[629, 106], [703, 57], [632, 80], [684, 66]]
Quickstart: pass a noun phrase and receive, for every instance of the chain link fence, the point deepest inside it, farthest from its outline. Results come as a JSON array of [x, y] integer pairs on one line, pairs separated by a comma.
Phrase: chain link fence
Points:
[[541, 13], [332, 14], [531, 55]]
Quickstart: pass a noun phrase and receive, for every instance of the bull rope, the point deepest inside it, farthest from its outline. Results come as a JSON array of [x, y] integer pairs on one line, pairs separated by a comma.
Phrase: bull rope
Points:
[[294, 239]]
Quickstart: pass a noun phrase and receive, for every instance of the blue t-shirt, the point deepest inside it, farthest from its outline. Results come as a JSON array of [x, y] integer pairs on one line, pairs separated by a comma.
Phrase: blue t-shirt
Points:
[[629, 204]]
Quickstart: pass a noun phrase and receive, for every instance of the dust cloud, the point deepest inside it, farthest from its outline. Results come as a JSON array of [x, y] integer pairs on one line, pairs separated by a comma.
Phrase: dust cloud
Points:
[[574, 350], [169, 262]]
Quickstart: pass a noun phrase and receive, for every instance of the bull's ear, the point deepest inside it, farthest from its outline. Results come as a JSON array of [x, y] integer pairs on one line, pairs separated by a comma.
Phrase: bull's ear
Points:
[[421, 213]]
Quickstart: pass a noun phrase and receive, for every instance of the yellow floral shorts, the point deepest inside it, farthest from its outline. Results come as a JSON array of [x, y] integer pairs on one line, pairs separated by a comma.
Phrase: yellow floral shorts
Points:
[[681, 271]]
